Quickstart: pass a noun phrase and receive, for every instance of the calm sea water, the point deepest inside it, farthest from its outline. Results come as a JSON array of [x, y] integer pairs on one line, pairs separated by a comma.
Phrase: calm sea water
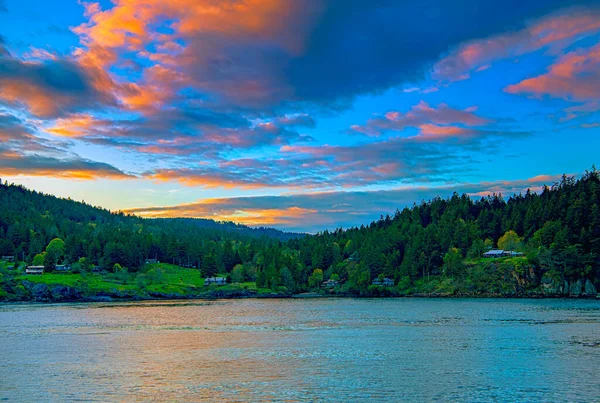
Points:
[[327, 350]]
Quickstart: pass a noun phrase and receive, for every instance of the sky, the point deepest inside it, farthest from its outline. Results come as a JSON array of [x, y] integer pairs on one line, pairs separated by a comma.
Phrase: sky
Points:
[[302, 115]]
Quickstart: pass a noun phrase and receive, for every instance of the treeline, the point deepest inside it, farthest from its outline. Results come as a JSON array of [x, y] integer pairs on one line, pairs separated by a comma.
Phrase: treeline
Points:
[[557, 229], [45, 230]]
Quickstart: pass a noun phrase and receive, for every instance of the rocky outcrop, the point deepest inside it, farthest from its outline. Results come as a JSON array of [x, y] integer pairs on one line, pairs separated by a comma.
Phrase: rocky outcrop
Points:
[[64, 293], [40, 292], [575, 288], [590, 290], [52, 293], [550, 285]]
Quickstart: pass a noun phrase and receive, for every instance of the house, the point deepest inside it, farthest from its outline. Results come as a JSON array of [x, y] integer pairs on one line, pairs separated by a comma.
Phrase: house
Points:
[[151, 261], [96, 269], [8, 258], [501, 253], [386, 282], [215, 280], [62, 267], [495, 253], [34, 270], [330, 284]]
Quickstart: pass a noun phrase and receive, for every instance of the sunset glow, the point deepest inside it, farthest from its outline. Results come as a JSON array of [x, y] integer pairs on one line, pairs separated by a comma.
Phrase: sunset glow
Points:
[[302, 115]]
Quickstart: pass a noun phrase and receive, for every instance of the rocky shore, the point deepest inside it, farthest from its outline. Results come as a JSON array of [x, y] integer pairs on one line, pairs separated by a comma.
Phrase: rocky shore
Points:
[[38, 292]]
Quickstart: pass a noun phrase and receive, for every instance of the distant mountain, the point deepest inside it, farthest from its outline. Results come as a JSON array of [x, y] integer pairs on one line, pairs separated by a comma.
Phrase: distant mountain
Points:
[[236, 228]]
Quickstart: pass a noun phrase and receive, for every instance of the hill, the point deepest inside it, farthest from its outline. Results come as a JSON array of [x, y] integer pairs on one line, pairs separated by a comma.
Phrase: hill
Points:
[[30, 220], [431, 248]]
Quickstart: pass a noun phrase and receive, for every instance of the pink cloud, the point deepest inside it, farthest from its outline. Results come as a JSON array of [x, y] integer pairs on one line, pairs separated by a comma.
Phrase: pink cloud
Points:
[[554, 33], [421, 116], [435, 131], [575, 76]]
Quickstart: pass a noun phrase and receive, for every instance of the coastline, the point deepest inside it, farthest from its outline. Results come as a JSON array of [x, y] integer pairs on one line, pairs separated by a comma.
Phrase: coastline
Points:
[[212, 296]]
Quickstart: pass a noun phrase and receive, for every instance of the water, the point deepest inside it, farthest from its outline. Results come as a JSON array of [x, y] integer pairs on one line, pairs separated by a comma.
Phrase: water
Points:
[[328, 350]]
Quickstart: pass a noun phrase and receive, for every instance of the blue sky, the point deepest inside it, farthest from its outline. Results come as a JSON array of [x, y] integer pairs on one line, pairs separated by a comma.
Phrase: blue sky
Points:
[[302, 115]]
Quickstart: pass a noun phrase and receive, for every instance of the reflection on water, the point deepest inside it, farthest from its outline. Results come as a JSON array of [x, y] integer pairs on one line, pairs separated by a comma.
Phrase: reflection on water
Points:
[[302, 351]]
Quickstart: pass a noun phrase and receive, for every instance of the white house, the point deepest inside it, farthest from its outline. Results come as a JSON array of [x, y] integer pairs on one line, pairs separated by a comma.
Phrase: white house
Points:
[[34, 270]]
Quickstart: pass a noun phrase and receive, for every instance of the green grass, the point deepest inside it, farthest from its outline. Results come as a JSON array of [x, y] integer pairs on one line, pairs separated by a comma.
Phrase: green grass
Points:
[[93, 282], [175, 275], [170, 279]]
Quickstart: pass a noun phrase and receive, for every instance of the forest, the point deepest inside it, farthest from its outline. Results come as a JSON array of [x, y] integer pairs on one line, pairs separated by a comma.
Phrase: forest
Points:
[[433, 247]]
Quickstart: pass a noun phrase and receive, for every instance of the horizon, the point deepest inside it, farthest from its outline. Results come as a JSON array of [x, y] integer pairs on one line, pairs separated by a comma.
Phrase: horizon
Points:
[[408, 204], [299, 116]]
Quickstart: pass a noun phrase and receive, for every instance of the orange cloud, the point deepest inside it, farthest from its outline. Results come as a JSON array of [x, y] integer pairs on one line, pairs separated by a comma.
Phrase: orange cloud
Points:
[[39, 102], [73, 126], [17, 164], [189, 177], [192, 54], [573, 77], [224, 210]]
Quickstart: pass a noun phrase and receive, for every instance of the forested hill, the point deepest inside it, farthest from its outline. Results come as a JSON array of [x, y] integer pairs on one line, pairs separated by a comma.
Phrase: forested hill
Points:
[[437, 246], [30, 220], [434, 247]]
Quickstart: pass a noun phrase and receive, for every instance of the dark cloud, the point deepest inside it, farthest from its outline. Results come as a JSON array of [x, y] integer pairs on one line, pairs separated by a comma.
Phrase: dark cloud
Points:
[[302, 53], [298, 120], [24, 153], [49, 88], [14, 164], [368, 46]]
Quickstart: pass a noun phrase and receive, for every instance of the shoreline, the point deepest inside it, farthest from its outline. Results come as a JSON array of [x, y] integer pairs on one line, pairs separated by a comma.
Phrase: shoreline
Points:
[[301, 296]]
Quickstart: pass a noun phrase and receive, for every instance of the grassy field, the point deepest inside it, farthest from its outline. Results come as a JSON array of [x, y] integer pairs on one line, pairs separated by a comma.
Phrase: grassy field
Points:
[[159, 278]]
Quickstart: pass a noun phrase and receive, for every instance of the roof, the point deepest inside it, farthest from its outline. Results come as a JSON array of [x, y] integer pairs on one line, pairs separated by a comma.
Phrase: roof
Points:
[[35, 267], [494, 252], [384, 281]]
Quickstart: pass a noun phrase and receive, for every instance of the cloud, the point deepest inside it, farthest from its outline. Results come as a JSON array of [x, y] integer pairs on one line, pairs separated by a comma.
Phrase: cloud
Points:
[[327, 167], [184, 132], [244, 174], [48, 88], [295, 120], [239, 85], [314, 212], [16, 164], [16, 134], [24, 153], [575, 76], [425, 117], [438, 152], [590, 125], [274, 54], [254, 216], [554, 32]]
